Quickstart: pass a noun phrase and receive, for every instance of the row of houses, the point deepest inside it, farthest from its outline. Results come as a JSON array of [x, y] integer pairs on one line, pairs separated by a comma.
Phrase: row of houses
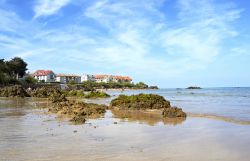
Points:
[[50, 76]]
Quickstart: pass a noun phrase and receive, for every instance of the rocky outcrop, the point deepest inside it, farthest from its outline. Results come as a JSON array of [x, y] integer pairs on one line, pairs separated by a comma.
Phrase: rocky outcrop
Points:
[[96, 94], [13, 91], [193, 87], [145, 102], [173, 112], [77, 112], [141, 101], [45, 92]]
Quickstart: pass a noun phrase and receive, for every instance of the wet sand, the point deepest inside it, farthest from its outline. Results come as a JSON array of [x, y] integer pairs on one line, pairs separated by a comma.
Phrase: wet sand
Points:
[[31, 134]]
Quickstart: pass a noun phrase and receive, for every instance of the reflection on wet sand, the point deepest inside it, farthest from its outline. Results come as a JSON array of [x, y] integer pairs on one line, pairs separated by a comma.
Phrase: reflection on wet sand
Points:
[[24, 102], [221, 118], [147, 117]]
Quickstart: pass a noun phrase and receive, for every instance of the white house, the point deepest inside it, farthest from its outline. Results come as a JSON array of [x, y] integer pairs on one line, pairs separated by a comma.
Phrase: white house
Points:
[[44, 75], [67, 78], [87, 77]]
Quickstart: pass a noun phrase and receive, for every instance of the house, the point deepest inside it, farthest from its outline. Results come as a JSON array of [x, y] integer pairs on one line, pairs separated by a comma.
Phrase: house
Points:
[[103, 78], [122, 79], [112, 78], [67, 78], [44, 75], [87, 77]]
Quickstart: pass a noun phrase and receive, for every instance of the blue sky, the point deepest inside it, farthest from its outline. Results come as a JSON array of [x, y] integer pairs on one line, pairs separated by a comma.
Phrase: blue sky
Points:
[[170, 43]]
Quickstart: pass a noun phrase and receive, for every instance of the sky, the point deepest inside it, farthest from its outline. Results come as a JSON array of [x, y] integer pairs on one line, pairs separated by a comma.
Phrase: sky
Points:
[[169, 43]]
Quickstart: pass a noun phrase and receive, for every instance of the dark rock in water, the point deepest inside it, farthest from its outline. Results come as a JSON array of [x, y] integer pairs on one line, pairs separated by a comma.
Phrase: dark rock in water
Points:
[[193, 87], [141, 101], [153, 87], [173, 112], [13, 91]]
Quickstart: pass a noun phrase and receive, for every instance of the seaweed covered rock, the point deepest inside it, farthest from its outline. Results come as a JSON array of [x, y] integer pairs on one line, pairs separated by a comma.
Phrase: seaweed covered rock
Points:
[[173, 112], [141, 101], [96, 95], [74, 93], [13, 91], [78, 112], [45, 92], [57, 97], [145, 102]]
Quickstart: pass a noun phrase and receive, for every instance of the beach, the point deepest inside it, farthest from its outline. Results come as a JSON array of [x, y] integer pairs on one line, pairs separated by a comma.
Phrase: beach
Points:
[[216, 129]]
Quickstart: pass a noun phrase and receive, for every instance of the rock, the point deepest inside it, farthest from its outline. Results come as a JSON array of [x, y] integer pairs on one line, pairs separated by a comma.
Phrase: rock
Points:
[[193, 87], [13, 91], [78, 112], [45, 92], [173, 112], [75, 93], [145, 102], [96, 94], [141, 101], [57, 97]]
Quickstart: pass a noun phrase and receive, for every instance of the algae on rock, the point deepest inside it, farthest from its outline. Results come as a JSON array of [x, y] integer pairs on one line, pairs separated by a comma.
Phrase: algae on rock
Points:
[[13, 91], [145, 102], [141, 101]]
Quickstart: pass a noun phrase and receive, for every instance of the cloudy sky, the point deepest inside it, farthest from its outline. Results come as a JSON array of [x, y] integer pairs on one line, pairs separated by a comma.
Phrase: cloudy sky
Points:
[[170, 43]]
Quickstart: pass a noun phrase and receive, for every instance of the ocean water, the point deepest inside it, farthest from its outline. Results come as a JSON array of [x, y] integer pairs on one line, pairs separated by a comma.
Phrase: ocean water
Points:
[[231, 103]]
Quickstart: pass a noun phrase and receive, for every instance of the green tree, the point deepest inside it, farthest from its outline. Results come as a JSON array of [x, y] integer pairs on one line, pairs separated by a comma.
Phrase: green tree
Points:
[[141, 85], [17, 67], [30, 80], [4, 76]]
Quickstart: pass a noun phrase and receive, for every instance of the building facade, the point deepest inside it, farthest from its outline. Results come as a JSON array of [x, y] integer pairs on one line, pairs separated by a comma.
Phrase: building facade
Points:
[[103, 78], [67, 78], [87, 77], [44, 75], [112, 78]]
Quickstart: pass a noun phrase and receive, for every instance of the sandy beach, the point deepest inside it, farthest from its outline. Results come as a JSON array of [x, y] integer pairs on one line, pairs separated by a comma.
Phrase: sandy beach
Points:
[[28, 132]]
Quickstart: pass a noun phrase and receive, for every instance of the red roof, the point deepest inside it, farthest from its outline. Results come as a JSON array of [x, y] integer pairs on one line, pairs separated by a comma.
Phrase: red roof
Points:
[[117, 77], [100, 76], [122, 78], [67, 75], [43, 72]]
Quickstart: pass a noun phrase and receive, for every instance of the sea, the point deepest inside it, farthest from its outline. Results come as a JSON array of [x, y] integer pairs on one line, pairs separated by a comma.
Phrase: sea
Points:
[[228, 102]]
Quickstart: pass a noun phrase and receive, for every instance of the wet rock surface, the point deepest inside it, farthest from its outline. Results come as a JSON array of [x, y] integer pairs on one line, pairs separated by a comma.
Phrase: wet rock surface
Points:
[[45, 92], [13, 91], [173, 112], [76, 111], [147, 102], [141, 101], [96, 94]]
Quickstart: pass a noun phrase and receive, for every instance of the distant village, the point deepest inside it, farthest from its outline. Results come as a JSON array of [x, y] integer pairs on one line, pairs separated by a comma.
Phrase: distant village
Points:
[[50, 76]]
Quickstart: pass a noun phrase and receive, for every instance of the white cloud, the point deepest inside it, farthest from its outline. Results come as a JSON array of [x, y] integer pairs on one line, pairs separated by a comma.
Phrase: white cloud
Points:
[[48, 7], [138, 30], [127, 37]]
